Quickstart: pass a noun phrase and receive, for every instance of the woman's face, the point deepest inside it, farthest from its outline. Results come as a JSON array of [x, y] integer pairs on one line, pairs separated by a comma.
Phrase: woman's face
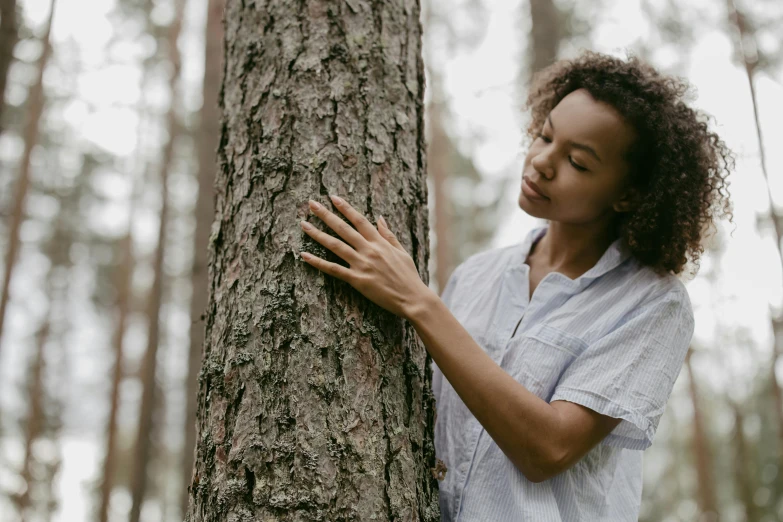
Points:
[[577, 162]]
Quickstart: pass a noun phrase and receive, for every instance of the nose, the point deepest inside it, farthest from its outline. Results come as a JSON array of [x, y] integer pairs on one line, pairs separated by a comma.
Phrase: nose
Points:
[[542, 162]]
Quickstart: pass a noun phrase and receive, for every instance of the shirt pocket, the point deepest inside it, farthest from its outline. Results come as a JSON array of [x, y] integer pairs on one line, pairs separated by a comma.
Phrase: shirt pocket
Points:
[[538, 357]]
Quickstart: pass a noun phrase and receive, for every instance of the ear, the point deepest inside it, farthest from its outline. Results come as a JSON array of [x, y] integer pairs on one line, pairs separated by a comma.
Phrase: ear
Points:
[[627, 201]]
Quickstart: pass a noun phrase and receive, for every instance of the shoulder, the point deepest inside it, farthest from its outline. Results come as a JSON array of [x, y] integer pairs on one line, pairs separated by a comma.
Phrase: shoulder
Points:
[[621, 296], [485, 263], [653, 288]]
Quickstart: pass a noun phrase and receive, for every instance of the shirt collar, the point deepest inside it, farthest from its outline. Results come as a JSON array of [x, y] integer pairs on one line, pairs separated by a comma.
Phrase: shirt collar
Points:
[[615, 255]]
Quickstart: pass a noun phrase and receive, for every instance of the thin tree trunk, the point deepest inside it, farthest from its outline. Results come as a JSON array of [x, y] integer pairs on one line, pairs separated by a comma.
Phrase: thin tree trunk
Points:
[[438, 159], [43, 417], [35, 415], [123, 299], [35, 107], [743, 479], [8, 38], [438, 173], [123, 285], [160, 463], [149, 364], [706, 481], [545, 34], [208, 139], [314, 403], [749, 61]]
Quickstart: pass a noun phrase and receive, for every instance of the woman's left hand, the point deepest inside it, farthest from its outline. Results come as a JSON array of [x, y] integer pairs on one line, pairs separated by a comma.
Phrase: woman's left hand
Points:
[[380, 268]]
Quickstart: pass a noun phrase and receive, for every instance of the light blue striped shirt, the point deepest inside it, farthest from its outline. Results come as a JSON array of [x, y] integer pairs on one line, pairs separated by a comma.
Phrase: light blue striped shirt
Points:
[[613, 339]]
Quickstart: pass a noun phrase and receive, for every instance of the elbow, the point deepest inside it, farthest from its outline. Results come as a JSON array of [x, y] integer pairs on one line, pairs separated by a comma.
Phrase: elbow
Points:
[[548, 464]]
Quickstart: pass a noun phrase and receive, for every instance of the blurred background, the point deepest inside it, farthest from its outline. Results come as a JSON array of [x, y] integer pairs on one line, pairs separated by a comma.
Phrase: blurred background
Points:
[[103, 114]]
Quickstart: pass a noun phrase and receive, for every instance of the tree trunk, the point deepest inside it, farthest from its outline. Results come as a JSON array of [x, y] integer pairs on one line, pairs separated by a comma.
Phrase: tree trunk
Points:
[[706, 482], [149, 364], [742, 459], [35, 415], [438, 160], [43, 420], [314, 403], [437, 170], [35, 110], [545, 34], [8, 38], [123, 300], [749, 62], [208, 139]]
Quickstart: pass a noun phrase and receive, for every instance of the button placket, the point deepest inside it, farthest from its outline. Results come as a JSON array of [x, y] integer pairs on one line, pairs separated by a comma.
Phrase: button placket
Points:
[[528, 307], [526, 304]]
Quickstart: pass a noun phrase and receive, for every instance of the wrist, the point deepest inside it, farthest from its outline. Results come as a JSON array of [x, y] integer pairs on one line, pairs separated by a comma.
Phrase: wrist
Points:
[[420, 303]]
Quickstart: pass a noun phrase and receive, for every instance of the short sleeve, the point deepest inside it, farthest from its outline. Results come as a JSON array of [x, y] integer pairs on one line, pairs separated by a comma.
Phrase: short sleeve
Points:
[[629, 373]]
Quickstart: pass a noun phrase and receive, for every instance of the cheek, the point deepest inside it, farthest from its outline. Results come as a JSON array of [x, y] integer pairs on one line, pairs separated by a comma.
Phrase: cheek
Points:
[[583, 197]]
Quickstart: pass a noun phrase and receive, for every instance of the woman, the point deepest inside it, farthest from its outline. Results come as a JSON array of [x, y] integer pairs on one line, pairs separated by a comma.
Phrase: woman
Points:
[[554, 358]]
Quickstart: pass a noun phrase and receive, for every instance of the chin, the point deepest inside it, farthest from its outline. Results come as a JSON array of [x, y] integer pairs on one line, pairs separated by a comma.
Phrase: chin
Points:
[[530, 208]]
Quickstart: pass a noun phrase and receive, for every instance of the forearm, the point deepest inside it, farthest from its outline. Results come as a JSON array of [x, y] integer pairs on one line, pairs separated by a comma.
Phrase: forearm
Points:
[[523, 425]]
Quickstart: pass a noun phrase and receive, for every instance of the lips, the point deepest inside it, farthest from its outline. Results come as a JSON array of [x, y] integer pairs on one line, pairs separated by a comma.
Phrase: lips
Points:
[[534, 187]]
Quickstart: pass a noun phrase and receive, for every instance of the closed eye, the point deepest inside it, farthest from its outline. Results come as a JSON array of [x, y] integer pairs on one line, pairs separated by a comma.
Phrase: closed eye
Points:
[[577, 167]]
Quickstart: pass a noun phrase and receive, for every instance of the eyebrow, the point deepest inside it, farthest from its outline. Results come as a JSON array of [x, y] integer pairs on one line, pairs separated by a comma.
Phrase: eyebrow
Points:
[[580, 146]]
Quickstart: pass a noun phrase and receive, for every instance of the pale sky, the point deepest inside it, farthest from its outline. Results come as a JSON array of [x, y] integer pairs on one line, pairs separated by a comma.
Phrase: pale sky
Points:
[[481, 85]]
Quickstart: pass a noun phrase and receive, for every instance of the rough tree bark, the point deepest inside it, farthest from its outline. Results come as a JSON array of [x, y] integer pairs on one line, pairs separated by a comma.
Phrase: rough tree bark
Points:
[[208, 139], [314, 403]]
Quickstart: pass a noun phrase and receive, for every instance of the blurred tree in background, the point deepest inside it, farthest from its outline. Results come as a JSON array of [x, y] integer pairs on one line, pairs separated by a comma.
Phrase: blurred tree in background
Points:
[[109, 141]]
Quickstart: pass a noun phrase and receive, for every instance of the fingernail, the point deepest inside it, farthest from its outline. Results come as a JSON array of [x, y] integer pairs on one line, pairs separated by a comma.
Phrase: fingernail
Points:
[[315, 205], [383, 221], [306, 225], [336, 199], [306, 256]]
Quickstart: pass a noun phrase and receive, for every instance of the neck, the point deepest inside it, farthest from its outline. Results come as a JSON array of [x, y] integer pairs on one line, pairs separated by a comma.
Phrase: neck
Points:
[[573, 248]]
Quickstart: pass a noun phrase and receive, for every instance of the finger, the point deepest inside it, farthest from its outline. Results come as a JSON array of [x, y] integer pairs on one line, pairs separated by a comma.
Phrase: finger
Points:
[[383, 228], [330, 242], [329, 268], [361, 223], [343, 229]]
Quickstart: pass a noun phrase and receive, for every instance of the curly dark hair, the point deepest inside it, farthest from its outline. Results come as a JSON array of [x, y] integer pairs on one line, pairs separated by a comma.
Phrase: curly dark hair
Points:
[[678, 167]]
